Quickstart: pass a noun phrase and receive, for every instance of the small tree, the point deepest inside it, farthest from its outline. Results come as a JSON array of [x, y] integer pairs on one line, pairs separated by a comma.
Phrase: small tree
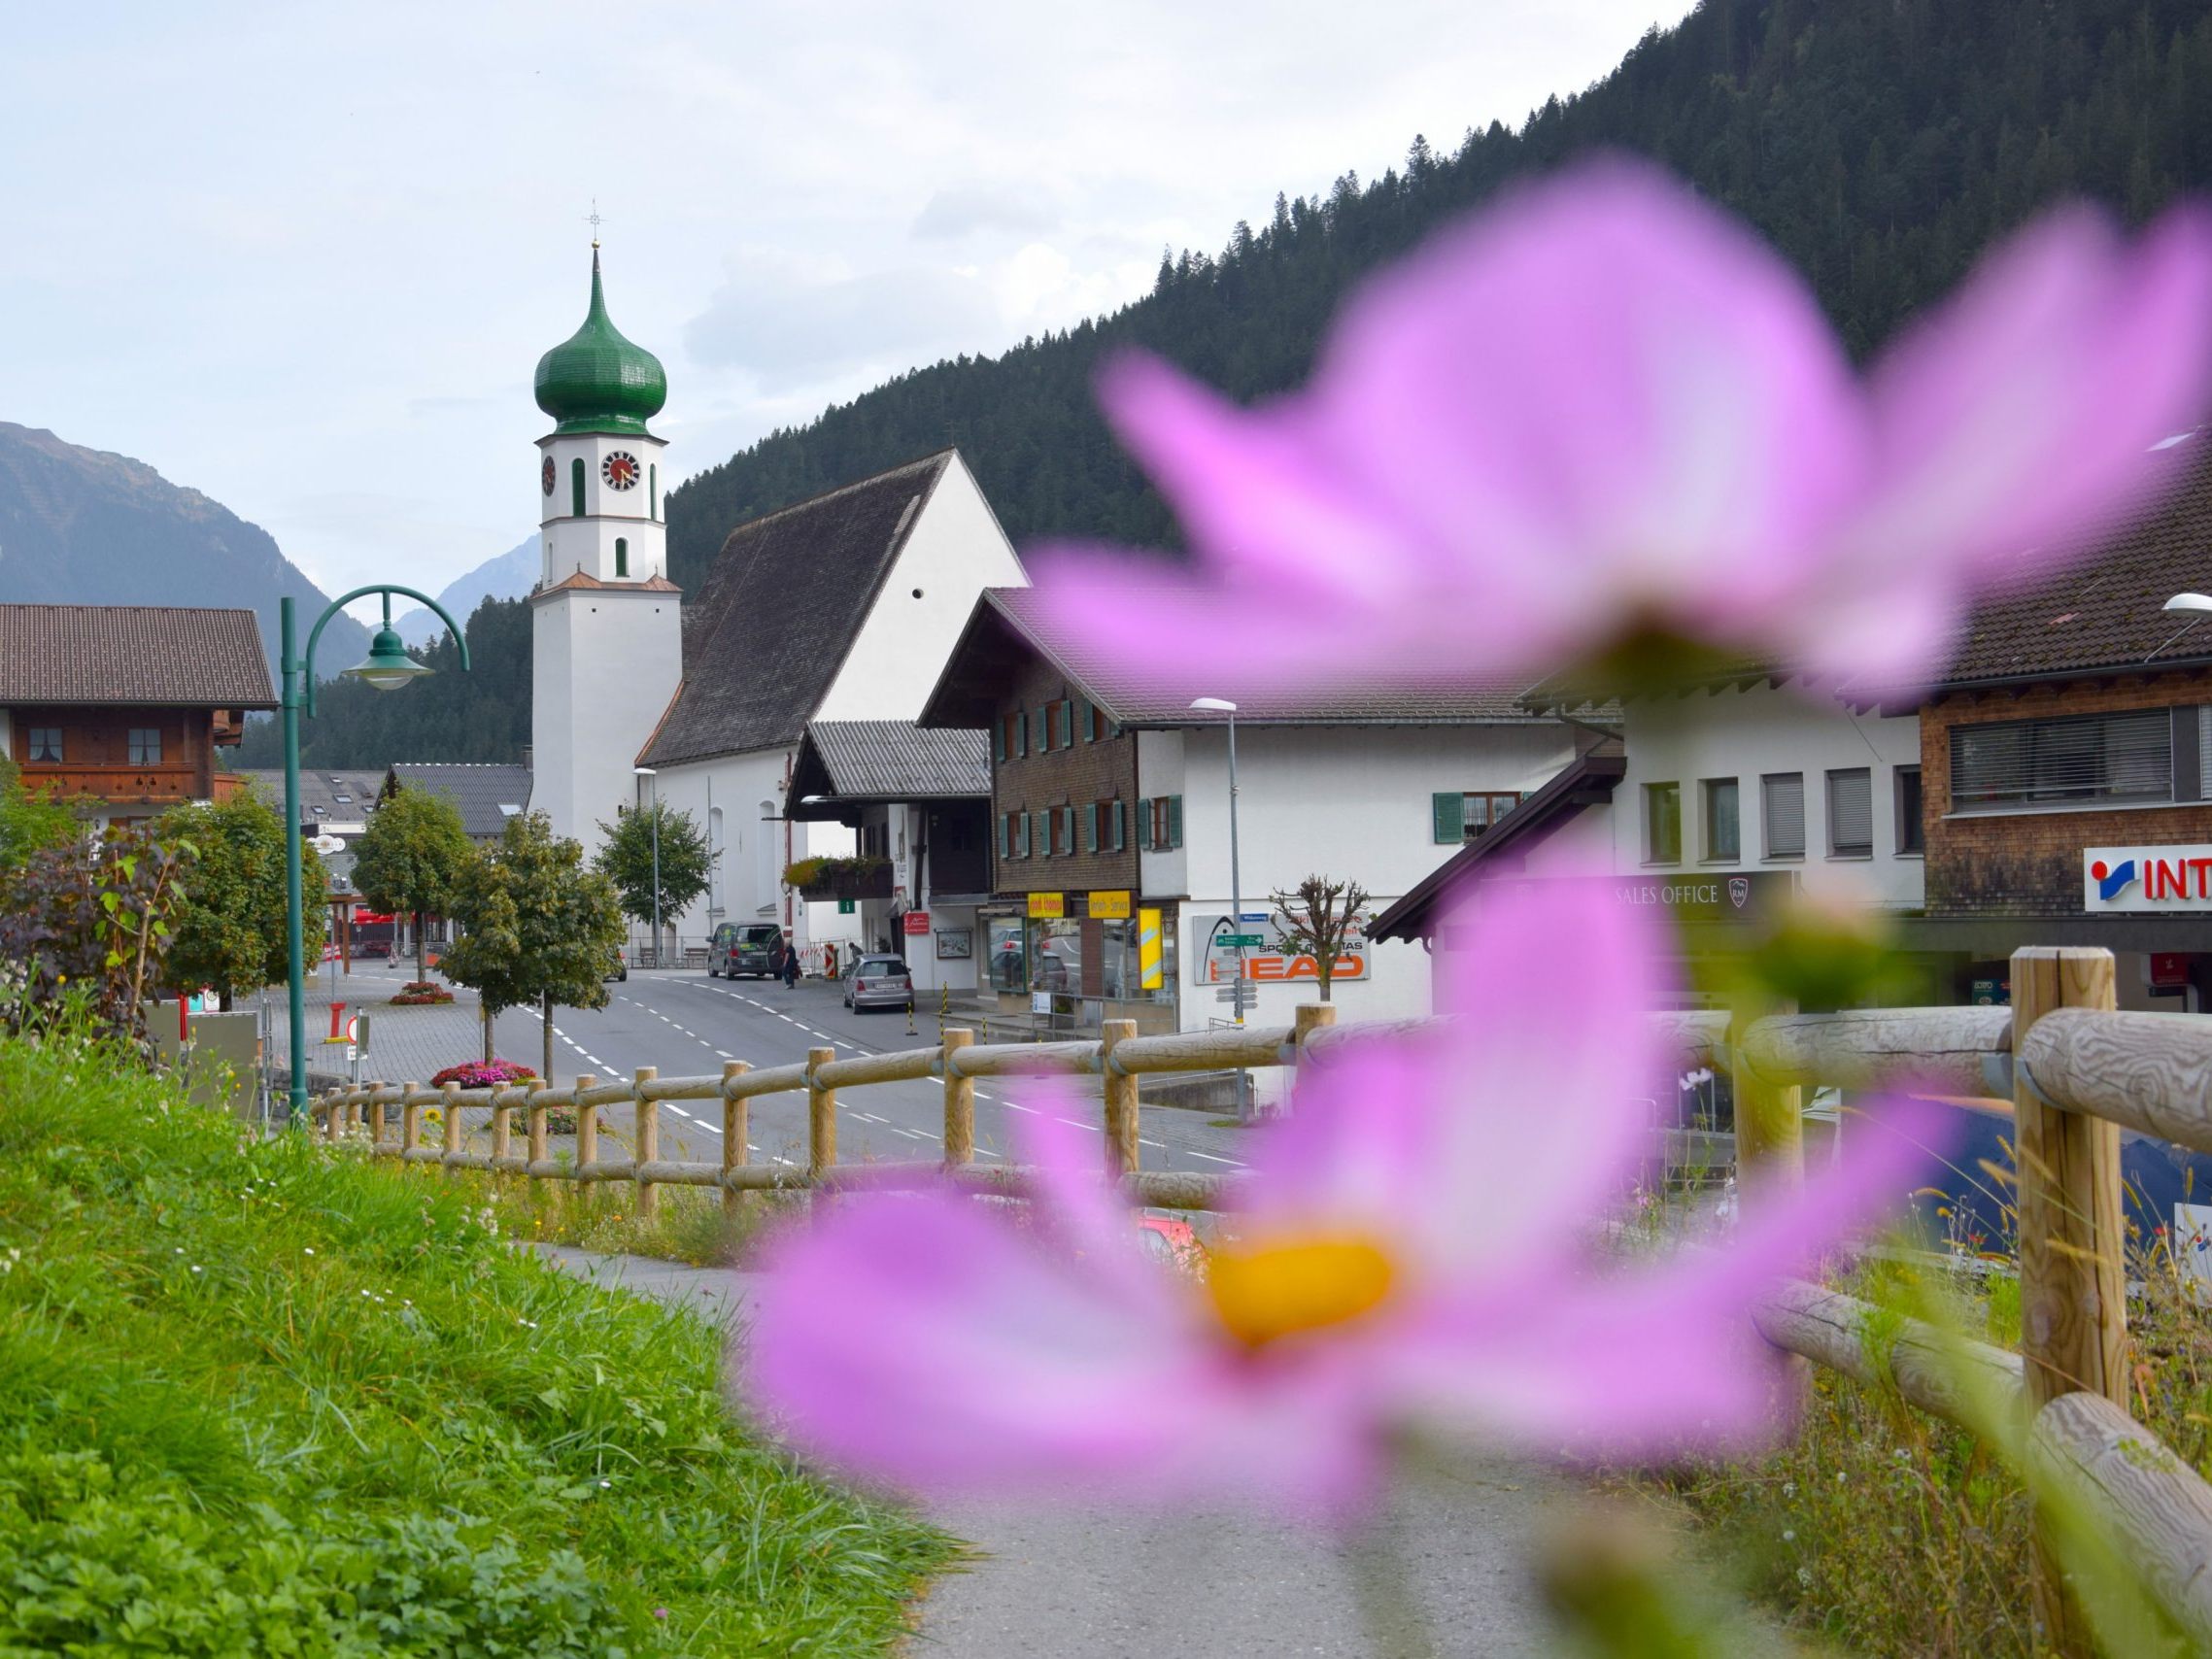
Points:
[[87, 924], [536, 925], [408, 859], [625, 858], [230, 926], [30, 821], [1318, 919]]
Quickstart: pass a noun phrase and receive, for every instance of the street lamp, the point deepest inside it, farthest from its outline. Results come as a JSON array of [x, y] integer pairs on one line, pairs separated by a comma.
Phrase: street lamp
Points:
[[386, 667], [649, 772], [2196, 607], [1222, 705]]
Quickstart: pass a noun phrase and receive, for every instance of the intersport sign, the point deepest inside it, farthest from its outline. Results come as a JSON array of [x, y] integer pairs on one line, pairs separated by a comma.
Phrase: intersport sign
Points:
[[2147, 878]]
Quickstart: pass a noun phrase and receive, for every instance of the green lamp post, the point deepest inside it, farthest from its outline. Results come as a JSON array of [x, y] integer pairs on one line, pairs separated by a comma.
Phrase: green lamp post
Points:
[[386, 667]]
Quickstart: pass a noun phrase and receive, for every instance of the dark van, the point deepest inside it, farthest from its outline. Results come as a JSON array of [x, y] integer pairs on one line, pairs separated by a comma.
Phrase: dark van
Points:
[[742, 948]]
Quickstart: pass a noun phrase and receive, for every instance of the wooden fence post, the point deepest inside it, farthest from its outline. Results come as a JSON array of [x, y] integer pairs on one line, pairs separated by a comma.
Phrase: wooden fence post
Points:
[[736, 1130], [333, 1120], [587, 1130], [450, 1111], [533, 1124], [1305, 1020], [502, 1130], [410, 1119], [2073, 1304], [821, 1115], [1770, 1118], [959, 1101], [1120, 1091], [375, 1119], [648, 1119]]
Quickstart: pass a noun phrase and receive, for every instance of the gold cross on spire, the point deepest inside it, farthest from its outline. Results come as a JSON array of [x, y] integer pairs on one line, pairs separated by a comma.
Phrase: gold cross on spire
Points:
[[592, 220]]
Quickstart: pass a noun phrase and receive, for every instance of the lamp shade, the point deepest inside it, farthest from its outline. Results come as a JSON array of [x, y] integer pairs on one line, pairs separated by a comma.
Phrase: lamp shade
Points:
[[388, 666]]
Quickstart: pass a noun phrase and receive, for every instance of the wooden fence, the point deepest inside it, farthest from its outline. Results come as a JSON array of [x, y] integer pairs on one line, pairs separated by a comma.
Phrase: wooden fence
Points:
[[2075, 1071]]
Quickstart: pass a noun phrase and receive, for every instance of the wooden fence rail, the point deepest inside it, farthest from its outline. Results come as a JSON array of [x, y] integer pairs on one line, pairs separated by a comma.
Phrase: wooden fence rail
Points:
[[2074, 1069]]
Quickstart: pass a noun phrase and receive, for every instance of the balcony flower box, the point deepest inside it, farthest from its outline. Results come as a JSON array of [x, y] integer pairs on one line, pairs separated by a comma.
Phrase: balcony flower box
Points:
[[826, 878]]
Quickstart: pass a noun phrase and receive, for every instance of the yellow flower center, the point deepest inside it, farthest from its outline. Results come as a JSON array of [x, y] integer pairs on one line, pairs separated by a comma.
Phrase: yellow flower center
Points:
[[1265, 1292]]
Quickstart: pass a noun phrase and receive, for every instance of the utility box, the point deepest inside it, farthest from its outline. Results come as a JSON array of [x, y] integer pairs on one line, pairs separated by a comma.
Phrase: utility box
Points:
[[220, 1062]]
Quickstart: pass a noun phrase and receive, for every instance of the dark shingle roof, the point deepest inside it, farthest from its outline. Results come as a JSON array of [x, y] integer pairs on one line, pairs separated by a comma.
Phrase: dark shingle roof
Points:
[[1132, 695], [339, 797], [2105, 614], [485, 796], [779, 611], [171, 656], [891, 759]]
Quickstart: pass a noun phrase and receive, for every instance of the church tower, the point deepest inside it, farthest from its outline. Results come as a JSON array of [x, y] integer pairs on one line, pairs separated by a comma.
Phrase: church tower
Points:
[[607, 640]]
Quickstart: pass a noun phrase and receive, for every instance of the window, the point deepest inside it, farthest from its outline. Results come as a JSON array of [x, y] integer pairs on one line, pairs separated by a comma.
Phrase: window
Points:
[[1091, 816], [622, 564], [651, 494], [146, 746], [1662, 823], [1724, 831], [1067, 713], [576, 488], [46, 744], [1040, 833], [1161, 823], [2091, 757], [1044, 728], [1068, 832], [1782, 814], [1851, 812], [1456, 818], [1912, 837]]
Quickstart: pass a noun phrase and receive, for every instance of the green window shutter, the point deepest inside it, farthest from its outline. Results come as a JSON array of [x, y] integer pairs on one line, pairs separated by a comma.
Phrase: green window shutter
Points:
[[1021, 836], [1174, 820], [1043, 727], [575, 507], [1005, 735], [1006, 843], [1449, 811], [1084, 717], [1145, 826], [1119, 817], [1066, 725], [1090, 831], [1021, 743]]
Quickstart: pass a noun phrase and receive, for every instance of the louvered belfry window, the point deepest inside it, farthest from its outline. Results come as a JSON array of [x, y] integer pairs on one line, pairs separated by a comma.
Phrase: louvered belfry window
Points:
[[2088, 757]]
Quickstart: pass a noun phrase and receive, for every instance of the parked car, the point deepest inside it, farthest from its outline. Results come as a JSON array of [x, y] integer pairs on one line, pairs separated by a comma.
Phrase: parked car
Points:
[[879, 982], [742, 948], [618, 969]]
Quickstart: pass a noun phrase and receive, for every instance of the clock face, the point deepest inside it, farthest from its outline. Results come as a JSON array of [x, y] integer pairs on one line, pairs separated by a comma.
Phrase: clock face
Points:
[[546, 474], [619, 469]]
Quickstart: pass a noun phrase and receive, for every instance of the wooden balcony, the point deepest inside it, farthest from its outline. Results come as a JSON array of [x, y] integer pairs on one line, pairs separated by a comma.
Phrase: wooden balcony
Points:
[[115, 785]]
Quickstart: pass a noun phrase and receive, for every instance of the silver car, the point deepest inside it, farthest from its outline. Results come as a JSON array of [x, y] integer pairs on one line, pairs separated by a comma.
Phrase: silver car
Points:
[[879, 982]]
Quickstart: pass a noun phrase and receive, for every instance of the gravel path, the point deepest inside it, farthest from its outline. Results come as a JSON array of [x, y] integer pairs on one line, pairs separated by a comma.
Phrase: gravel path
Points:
[[1090, 1584]]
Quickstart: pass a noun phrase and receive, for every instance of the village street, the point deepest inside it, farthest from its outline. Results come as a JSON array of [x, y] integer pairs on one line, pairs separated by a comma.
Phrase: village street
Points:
[[685, 1024]]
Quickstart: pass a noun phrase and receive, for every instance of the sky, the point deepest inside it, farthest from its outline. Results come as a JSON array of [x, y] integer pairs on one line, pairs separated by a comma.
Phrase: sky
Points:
[[304, 258]]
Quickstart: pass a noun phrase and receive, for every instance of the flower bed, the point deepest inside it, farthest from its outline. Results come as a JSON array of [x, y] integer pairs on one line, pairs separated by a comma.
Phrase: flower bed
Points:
[[417, 991], [484, 1074]]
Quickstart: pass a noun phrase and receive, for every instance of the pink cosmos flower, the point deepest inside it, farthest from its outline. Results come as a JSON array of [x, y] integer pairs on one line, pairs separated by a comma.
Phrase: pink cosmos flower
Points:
[[1414, 1249], [1604, 410]]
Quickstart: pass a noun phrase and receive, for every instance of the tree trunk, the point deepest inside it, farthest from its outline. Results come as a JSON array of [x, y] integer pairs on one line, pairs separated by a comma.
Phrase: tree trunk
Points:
[[488, 1014], [421, 972], [544, 1007]]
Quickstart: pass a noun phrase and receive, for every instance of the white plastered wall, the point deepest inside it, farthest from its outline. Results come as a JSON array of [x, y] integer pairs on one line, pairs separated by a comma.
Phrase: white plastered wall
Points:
[[605, 664]]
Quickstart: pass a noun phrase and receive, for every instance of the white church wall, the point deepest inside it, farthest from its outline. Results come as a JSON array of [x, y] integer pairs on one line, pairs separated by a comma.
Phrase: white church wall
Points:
[[605, 664], [570, 542], [955, 550]]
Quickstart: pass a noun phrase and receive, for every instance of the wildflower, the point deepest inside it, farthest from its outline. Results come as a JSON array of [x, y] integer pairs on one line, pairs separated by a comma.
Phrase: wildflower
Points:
[[1408, 1254], [1602, 417], [307, 1249], [1805, 1576], [659, 1612]]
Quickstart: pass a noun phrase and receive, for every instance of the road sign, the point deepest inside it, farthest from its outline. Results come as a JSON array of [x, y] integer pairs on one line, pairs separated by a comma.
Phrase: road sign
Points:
[[1238, 942], [1251, 915], [1241, 994]]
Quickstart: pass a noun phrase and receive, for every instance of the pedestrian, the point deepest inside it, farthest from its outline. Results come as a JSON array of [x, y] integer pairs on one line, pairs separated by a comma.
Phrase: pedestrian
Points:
[[790, 966]]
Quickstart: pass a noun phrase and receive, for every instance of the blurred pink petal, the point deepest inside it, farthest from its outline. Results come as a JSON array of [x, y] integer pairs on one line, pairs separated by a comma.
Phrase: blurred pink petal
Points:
[[1603, 408]]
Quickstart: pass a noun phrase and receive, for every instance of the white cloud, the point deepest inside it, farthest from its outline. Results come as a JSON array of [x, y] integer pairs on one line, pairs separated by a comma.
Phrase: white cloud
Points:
[[791, 328]]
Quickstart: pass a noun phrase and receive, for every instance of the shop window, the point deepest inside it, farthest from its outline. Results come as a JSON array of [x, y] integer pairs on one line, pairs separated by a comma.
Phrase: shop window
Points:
[[2071, 757], [1723, 834], [1662, 823], [1912, 825], [1008, 963], [1851, 812], [1782, 814], [146, 746], [44, 744]]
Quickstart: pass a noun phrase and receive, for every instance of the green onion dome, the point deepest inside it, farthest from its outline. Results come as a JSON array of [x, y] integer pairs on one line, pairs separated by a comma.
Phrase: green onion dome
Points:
[[595, 381]]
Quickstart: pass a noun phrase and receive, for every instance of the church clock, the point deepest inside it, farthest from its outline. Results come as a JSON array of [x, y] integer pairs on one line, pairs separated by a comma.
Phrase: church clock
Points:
[[619, 470], [546, 474]]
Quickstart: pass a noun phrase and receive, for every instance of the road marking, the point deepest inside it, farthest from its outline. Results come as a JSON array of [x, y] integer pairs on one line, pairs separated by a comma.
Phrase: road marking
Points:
[[1077, 1123], [1211, 1159], [725, 1053]]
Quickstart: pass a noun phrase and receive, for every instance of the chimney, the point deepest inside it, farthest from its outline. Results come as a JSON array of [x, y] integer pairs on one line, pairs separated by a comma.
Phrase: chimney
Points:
[[527, 757]]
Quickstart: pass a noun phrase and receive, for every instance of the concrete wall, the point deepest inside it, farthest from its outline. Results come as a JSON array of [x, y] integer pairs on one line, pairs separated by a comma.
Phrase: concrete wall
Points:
[[605, 664], [1746, 734]]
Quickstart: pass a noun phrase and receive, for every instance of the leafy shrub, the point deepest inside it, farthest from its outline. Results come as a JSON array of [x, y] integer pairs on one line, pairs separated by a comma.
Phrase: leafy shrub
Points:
[[416, 991]]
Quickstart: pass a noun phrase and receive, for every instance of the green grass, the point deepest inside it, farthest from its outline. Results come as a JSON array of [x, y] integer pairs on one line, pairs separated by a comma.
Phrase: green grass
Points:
[[263, 1399]]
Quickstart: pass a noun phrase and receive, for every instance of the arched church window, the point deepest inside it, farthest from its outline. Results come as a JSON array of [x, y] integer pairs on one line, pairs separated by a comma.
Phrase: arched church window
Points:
[[653, 491], [622, 557], [576, 488]]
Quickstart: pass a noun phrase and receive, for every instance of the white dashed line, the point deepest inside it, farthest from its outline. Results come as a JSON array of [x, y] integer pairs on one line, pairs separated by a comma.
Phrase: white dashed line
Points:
[[1211, 1159]]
